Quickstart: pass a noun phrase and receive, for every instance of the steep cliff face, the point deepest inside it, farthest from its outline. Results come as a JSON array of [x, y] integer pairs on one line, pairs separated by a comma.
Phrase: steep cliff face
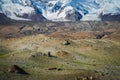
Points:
[[60, 10], [4, 19]]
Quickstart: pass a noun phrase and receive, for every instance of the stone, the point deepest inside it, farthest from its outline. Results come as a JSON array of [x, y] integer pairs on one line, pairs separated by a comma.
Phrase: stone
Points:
[[16, 69], [91, 78], [54, 68], [66, 42]]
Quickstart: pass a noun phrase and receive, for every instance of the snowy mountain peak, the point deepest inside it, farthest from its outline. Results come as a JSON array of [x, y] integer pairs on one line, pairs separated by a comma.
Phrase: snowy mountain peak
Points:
[[16, 9], [60, 10]]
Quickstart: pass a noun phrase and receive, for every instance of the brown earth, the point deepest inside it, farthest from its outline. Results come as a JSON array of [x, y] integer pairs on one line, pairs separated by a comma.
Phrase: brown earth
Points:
[[85, 58]]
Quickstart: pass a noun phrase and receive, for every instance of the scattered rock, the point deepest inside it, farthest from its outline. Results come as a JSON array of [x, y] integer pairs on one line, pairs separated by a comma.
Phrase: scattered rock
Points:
[[59, 69], [33, 56], [91, 78], [94, 64], [99, 36], [38, 54], [103, 35], [22, 27], [96, 71], [68, 63], [66, 42], [54, 68], [49, 54], [16, 69], [44, 54], [102, 74], [12, 55]]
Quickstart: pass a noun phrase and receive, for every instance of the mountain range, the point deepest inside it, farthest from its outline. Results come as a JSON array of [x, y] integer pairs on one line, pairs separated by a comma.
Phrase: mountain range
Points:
[[60, 10]]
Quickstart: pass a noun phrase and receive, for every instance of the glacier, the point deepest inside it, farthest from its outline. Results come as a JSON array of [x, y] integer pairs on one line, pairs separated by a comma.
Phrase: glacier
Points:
[[60, 10], [15, 9]]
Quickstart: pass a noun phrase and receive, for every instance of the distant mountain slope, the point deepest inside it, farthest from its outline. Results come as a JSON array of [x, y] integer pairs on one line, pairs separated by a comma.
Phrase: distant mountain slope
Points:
[[4, 19], [109, 17]]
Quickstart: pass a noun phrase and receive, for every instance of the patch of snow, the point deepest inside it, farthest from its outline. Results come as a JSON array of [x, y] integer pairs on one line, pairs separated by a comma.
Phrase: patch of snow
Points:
[[14, 10]]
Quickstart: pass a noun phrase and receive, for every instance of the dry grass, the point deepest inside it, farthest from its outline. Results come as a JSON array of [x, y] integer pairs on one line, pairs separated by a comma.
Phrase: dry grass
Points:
[[74, 59]]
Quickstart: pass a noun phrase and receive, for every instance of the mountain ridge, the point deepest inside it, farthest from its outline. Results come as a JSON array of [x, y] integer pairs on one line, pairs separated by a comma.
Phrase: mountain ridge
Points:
[[60, 10]]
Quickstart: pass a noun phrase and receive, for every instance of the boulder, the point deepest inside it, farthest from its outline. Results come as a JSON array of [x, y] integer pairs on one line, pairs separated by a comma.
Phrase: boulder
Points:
[[54, 68], [99, 36], [38, 54], [16, 69], [66, 42]]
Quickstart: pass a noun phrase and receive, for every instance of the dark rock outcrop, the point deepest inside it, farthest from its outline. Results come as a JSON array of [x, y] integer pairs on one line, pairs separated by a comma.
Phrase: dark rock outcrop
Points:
[[66, 42], [110, 17], [54, 68], [73, 16], [17, 69], [4, 19], [99, 36]]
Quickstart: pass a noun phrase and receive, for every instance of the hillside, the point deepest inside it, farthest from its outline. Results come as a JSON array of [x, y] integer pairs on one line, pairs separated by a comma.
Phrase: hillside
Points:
[[63, 54]]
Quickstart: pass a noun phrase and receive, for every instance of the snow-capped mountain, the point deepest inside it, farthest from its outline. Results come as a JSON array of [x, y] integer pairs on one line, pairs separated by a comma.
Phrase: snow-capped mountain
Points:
[[19, 10], [60, 10], [15, 9]]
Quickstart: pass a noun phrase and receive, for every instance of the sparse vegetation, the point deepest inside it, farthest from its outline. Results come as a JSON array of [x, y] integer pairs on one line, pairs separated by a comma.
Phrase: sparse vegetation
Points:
[[45, 57]]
